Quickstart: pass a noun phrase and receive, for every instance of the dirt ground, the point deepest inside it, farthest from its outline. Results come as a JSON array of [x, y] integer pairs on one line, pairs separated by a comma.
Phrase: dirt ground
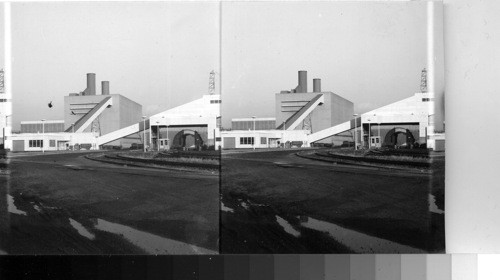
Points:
[[51, 189], [257, 187]]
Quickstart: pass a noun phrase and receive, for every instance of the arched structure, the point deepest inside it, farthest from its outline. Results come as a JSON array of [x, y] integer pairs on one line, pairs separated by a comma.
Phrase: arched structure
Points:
[[180, 138], [391, 138]]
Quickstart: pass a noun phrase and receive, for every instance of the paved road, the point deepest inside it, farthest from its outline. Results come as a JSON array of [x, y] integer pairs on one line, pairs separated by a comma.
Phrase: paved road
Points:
[[67, 204], [276, 202]]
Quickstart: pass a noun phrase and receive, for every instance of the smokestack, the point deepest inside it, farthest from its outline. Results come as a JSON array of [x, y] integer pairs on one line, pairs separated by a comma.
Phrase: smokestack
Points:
[[90, 84], [302, 87], [316, 85], [105, 87]]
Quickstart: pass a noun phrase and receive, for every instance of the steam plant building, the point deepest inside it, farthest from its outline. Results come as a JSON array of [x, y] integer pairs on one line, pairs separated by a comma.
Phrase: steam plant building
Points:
[[93, 121], [306, 118], [100, 114]]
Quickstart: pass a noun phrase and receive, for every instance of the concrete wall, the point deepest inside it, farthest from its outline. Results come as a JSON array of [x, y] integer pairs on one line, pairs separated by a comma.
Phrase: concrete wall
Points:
[[123, 113], [335, 109], [80, 105]]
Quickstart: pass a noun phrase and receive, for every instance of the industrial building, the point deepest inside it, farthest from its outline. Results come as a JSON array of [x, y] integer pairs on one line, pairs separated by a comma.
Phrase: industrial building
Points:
[[100, 114], [93, 121], [305, 118], [5, 109]]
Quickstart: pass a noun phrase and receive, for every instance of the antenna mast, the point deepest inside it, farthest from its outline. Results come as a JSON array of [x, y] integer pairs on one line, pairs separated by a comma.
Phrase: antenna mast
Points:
[[423, 81], [211, 83]]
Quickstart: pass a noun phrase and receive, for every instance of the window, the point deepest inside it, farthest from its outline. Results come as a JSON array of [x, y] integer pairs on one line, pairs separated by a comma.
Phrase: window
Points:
[[378, 140], [246, 141], [373, 140], [35, 143], [52, 143], [263, 140], [215, 101], [426, 99]]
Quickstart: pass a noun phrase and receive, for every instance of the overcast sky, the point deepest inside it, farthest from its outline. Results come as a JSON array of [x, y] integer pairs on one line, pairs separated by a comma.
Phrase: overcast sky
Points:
[[157, 54], [2, 57], [370, 53]]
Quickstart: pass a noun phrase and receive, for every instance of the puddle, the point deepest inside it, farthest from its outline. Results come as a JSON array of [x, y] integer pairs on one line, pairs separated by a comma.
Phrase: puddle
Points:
[[37, 208], [48, 207], [225, 208], [432, 205], [12, 207], [256, 204], [356, 241], [81, 229], [244, 205], [152, 244], [287, 226]]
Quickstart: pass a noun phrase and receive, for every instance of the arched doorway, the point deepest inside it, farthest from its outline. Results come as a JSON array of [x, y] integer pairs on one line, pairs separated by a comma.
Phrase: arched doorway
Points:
[[187, 138], [399, 137]]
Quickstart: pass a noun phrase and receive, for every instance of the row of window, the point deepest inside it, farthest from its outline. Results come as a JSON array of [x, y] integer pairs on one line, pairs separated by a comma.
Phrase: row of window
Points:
[[246, 140], [35, 143], [250, 140], [215, 101], [39, 143]]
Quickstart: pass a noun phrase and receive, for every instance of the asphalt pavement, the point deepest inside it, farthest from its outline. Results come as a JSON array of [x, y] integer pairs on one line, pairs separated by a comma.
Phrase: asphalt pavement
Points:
[[67, 204], [276, 202]]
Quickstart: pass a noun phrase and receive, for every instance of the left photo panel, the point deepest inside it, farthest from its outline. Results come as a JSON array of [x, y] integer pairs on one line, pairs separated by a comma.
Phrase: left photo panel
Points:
[[111, 128]]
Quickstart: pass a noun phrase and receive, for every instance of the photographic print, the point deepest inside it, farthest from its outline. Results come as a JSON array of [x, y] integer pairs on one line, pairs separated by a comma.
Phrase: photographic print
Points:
[[114, 128], [332, 127]]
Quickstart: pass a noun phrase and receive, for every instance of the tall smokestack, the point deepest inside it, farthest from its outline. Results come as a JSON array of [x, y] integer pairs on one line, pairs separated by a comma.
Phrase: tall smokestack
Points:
[[105, 87], [316, 85], [302, 88], [90, 84]]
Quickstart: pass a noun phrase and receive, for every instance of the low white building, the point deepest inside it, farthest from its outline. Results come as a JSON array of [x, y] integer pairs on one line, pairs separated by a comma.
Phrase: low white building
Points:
[[37, 142], [249, 139]]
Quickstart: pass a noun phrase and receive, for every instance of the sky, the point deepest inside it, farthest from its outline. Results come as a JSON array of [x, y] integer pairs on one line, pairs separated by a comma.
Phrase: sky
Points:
[[158, 54], [369, 53], [2, 57]]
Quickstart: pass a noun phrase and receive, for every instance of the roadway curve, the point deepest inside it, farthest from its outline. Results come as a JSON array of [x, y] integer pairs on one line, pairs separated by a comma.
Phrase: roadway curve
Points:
[[273, 200], [73, 205]]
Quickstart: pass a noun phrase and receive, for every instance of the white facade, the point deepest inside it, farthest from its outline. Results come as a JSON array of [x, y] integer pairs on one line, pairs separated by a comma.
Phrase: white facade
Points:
[[242, 139], [201, 112], [414, 109], [36, 142]]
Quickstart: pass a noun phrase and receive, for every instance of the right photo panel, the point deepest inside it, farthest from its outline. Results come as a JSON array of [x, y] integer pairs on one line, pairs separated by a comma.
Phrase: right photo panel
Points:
[[332, 127]]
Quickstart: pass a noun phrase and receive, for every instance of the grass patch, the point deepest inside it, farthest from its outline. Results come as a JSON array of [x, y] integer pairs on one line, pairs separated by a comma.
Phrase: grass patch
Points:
[[370, 154], [189, 159]]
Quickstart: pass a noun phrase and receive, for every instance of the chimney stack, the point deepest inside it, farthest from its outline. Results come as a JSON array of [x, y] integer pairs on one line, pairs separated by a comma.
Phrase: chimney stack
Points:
[[302, 87], [105, 87], [90, 84], [316, 85]]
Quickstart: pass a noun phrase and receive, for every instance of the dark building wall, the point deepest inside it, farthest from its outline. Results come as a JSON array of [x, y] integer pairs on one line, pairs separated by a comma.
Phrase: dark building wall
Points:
[[38, 127], [248, 125]]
